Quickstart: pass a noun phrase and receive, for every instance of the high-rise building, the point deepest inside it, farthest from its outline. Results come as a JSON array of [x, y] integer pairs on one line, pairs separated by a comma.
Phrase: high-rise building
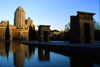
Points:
[[19, 17]]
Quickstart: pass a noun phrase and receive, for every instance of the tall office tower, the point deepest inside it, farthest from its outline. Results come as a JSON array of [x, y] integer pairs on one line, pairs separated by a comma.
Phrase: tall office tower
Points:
[[19, 17]]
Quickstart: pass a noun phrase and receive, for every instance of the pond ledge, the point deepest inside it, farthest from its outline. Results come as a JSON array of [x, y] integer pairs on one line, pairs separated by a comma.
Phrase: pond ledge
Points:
[[93, 48]]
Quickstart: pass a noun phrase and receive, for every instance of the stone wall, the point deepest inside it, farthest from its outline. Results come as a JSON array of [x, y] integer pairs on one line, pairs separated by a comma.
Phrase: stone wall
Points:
[[74, 35]]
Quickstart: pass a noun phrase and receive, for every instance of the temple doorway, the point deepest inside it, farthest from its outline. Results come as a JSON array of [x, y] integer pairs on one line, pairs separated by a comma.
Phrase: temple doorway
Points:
[[87, 32], [45, 36]]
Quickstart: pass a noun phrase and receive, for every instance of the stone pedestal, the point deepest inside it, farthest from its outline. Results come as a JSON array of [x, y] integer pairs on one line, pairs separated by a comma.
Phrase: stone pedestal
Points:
[[82, 28], [44, 33]]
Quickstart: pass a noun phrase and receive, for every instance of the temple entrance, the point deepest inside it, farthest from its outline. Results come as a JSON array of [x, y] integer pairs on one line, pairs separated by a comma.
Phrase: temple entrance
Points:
[[45, 36], [87, 32]]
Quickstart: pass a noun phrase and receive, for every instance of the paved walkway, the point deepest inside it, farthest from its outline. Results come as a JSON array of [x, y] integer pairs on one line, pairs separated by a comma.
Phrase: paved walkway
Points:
[[66, 43], [93, 48]]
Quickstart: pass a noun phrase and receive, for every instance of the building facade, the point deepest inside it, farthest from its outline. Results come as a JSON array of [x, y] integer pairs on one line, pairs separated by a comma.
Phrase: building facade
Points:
[[2, 33]]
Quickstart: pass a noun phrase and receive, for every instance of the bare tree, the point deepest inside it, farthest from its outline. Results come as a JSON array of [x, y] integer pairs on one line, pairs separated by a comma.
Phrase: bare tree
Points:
[[96, 25], [67, 27]]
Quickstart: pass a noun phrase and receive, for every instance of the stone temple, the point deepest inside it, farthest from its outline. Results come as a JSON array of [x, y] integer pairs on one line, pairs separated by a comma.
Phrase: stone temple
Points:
[[82, 28], [44, 33]]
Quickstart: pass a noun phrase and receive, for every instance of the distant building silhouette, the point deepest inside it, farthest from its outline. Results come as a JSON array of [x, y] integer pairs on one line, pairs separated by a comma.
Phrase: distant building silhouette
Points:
[[55, 32]]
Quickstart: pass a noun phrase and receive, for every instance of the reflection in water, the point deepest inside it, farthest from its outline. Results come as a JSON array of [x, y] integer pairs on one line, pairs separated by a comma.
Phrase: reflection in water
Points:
[[2, 49], [22, 52], [31, 49], [19, 57], [80, 60], [7, 44], [43, 54]]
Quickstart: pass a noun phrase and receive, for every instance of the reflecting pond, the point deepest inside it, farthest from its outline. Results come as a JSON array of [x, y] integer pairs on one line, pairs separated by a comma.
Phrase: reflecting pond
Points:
[[13, 54]]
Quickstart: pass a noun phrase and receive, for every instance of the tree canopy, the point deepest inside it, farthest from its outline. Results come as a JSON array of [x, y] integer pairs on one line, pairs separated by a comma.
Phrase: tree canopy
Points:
[[32, 33], [96, 25], [7, 36]]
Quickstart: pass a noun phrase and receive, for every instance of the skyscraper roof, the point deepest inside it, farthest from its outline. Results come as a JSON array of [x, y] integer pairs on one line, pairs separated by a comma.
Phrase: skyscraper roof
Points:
[[19, 8]]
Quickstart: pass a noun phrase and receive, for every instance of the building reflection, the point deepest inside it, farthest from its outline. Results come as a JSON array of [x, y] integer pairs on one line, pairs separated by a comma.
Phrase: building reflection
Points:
[[19, 58], [43, 54], [2, 49], [5, 48], [20, 53]]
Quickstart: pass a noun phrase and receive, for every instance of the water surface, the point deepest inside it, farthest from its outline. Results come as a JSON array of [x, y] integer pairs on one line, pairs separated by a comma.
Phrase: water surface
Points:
[[13, 54]]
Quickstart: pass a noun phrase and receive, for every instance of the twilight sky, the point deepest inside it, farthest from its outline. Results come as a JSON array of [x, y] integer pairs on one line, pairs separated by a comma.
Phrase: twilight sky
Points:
[[49, 12]]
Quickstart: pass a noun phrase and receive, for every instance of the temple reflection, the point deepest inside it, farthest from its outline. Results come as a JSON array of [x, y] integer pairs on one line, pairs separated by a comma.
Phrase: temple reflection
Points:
[[43, 54], [81, 61]]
